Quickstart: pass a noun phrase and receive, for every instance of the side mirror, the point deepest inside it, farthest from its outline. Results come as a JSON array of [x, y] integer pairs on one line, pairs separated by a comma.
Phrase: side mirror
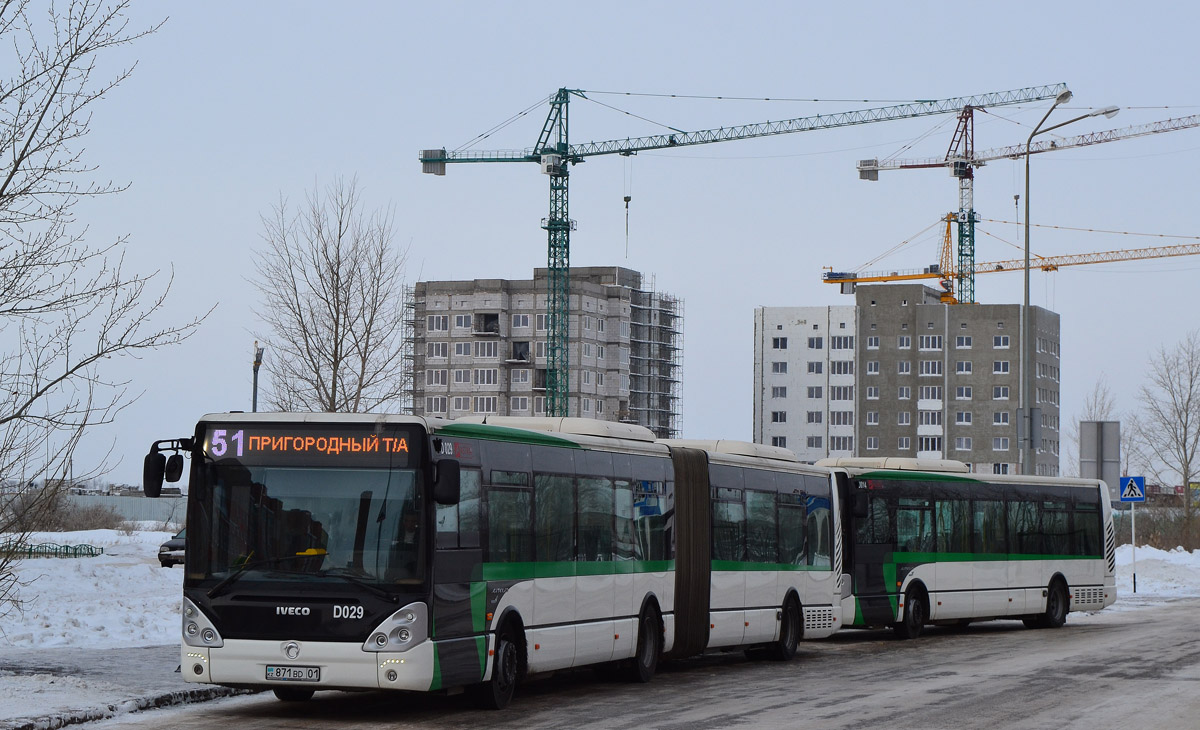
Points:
[[153, 470], [174, 468], [860, 504], [446, 481]]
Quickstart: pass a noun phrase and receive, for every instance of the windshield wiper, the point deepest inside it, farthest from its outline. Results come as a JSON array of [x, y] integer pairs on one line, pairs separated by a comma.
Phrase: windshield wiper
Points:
[[230, 579], [356, 580]]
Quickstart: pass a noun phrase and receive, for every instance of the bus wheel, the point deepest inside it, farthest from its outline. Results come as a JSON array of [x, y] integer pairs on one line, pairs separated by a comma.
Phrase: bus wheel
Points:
[[791, 626], [915, 613], [291, 694], [1056, 608], [649, 646], [496, 693]]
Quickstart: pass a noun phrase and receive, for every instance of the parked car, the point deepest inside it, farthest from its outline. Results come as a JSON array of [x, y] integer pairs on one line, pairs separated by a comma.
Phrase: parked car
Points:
[[171, 551]]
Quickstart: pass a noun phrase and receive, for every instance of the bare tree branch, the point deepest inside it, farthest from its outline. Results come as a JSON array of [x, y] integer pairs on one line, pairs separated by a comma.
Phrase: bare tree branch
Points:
[[331, 280]]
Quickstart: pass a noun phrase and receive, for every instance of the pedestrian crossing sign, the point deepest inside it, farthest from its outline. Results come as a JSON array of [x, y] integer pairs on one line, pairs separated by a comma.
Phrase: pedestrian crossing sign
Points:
[[1133, 489]]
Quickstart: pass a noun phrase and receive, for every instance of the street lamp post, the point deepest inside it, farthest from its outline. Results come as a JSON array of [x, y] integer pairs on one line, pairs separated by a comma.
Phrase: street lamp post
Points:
[[1028, 413], [258, 359]]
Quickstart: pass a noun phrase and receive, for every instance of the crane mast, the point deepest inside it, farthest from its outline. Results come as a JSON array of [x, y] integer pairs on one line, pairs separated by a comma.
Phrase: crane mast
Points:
[[554, 153]]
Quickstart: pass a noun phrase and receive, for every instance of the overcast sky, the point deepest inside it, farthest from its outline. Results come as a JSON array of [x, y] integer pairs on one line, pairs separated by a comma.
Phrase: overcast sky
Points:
[[234, 104]]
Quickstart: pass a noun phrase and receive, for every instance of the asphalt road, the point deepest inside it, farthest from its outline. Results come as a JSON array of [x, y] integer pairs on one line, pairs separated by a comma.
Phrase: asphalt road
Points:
[[1116, 669]]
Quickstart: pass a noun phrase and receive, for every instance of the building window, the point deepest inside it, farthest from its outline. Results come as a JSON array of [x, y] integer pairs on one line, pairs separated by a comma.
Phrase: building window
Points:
[[587, 405], [487, 376], [930, 342], [816, 343], [461, 403], [599, 405], [813, 442], [904, 392], [518, 402], [999, 367], [587, 377], [462, 376], [962, 418], [815, 366], [873, 342], [779, 366], [841, 443], [539, 404], [963, 342], [930, 392], [462, 321], [814, 391], [872, 443], [484, 404], [963, 367], [1000, 418], [904, 367], [435, 377], [872, 392], [778, 416], [999, 392], [841, 418], [599, 327], [778, 343], [903, 443], [1000, 443], [841, 367], [962, 443], [780, 441], [929, 418], [779, 391], [1000, 342], [437, 349], [929, 443], [520, 320], [841, 392], [600, 350], [587, 349], [815, 416], [539, 322], [437, 322], [841, 342], [488, 350], [872, 367], [999, 468], [904, 342], [587, 322], [931, 367], [462, 349], [963, 392], [520, 375], [903, 418], [872, 418], [435, 404]]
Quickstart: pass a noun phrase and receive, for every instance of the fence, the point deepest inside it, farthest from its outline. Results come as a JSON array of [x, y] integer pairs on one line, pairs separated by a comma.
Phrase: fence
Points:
[[25, 551], [137, 509]]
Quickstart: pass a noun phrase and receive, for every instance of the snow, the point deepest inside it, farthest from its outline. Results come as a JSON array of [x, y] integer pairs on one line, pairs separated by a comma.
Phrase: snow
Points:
[[124, 599]]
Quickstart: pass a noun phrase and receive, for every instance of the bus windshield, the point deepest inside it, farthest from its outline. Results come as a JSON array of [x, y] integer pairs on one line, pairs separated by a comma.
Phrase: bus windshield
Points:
[[286, 523]]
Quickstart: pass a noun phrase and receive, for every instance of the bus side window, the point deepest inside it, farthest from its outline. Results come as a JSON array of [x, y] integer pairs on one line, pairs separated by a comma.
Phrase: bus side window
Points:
[[555, 508], [761, 530], [595, 519], [508, 523], [458, 524], [1023, 535], [1087, 528]]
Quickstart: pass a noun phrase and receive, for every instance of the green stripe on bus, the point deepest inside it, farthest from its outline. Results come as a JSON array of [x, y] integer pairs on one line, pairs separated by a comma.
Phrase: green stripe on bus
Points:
[[567, 568], [906, 557], [479, 606], [436, 682], [740, 565], [503, 433]]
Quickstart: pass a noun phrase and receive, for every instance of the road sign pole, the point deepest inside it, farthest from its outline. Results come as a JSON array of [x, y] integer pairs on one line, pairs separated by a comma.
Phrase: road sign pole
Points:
[[1133, 539]]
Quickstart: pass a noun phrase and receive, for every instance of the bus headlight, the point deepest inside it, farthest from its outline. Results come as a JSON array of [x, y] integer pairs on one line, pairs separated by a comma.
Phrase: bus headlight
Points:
[[198, 630], [401, 631]]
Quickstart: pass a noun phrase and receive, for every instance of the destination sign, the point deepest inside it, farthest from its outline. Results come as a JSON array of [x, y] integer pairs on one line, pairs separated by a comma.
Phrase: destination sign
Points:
[[314, 444]]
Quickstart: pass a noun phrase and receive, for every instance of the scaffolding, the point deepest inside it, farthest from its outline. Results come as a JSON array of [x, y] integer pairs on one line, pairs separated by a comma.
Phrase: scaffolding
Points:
[[655, 360]]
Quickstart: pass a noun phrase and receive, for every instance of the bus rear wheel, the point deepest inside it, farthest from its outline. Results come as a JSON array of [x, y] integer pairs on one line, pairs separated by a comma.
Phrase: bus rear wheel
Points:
[[1057, 604], [915, 613], [649, 646], [291, 694], [791, 626]]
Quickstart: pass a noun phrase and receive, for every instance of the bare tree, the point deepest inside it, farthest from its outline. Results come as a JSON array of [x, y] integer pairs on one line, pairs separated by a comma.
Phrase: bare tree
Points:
[[66, 307], [1099, 405], [1166, 431], [331, 279]]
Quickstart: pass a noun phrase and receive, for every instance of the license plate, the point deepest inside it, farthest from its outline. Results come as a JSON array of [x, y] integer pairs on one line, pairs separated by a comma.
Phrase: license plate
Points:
[[294, 673]]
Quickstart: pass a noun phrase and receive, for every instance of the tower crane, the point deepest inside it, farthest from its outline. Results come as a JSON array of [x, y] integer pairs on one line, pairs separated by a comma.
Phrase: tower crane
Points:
[[554, 153], [959, 281]]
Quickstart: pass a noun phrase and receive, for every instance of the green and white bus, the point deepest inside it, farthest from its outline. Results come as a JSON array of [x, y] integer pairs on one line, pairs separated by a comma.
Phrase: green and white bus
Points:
[[349, 551], [928, 542]]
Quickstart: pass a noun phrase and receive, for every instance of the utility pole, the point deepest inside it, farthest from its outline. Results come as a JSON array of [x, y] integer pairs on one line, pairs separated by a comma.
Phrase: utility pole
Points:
[[258, 356]]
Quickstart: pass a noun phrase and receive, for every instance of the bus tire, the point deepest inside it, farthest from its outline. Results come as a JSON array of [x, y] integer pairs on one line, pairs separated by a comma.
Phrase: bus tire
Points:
[[292, 694], [497, 692], [916, 610], [1057, 605], [791, 628], [649, 646]]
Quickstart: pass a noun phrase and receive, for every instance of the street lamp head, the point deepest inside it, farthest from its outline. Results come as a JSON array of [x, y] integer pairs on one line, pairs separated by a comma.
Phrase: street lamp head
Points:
[[1109, 112], [1063, 97]]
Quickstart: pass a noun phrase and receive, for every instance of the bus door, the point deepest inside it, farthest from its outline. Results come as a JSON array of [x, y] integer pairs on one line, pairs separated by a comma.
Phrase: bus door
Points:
[[871, 540]]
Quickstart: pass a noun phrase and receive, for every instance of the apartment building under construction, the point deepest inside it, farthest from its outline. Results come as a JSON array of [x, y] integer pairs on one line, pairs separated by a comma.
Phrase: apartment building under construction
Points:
[[479, 347]]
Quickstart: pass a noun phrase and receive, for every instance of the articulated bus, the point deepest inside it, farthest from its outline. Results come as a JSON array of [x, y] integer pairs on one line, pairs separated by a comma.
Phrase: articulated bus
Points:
[[350, 551], [928, 542]]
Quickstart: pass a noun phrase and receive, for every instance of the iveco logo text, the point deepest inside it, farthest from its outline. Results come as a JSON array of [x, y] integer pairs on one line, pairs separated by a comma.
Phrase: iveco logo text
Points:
[[291, 610]]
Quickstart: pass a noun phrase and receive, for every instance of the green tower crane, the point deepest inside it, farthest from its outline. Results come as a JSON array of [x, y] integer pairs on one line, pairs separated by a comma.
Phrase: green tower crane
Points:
[[554, 153]]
